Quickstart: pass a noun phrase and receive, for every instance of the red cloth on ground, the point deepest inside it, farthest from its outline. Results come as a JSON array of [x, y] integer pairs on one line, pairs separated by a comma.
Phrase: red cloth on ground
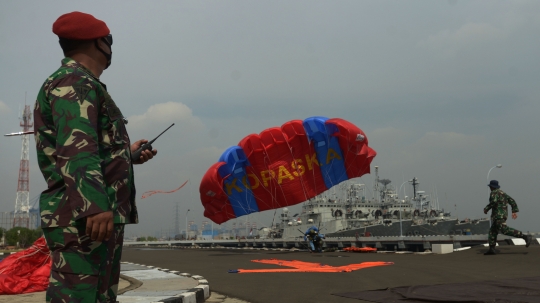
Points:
[[26, 271]]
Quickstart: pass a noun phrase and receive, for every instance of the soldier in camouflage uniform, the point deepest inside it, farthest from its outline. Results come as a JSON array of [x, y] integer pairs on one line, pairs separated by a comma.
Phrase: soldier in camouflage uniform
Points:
[[84, 153], [498, 203]]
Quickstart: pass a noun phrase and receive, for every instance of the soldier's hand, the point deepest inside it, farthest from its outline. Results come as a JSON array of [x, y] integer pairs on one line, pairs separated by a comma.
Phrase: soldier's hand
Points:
[[514, 216], [485, 211], [145, 154], [100, 226]]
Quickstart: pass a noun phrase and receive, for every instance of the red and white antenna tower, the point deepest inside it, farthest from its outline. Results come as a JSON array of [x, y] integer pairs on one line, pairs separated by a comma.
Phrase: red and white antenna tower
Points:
[[21, 216]]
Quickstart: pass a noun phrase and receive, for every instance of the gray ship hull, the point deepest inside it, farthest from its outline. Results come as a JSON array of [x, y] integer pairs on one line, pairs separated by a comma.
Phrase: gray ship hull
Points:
[[446, 227]]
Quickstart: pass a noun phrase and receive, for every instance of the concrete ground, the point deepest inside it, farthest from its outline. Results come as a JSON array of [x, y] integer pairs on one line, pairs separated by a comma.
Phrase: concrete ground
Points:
[[40, 296], [125, 285], [408, 269]]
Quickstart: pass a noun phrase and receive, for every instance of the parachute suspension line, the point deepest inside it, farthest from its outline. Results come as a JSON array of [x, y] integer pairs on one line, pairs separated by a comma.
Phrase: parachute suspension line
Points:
[[264, 187], [252, 211], [249, 210], [37, 249], [222, 185], [274, 196], [332, 162], [313, 170], [261, 184], [272, 191], [298, 172], [349, 164], [274, 203], [301, 178], [251, 219], [327, 142], [274, 218]]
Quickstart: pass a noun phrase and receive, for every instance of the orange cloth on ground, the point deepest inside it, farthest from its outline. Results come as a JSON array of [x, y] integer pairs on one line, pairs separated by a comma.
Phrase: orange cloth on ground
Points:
[[301, 266], [360, 249]]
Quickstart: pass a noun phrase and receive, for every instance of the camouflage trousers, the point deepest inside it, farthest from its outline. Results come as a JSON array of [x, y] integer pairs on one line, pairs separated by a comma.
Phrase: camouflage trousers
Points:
[[83, 271], [498, 226]]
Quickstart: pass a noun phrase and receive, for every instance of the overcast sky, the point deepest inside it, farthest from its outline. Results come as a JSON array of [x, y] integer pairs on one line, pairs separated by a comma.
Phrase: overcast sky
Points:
[[444, 90]]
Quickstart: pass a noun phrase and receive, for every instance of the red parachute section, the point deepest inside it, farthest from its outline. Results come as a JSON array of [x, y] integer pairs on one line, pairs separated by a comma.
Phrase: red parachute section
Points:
[[278, 166], [213, 194], [26, 271], [354, 145], [311, 181]]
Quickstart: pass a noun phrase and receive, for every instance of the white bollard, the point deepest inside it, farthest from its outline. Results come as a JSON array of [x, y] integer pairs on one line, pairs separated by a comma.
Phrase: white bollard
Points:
[[442, 248]]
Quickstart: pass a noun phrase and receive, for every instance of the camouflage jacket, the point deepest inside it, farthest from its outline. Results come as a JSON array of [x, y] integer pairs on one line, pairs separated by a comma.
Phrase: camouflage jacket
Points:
[[83, 150], [498, 203]]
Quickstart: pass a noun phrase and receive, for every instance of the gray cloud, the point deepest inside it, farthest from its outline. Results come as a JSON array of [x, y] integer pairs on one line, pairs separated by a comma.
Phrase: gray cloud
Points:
[[4, 108]]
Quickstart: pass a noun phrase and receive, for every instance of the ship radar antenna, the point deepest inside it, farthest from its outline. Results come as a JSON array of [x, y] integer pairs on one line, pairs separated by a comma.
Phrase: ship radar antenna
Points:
[[385, 183], [414, 183]]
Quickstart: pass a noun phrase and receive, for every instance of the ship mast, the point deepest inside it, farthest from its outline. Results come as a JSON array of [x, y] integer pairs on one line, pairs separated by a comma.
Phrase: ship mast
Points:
[[414, 183], [377, 184]]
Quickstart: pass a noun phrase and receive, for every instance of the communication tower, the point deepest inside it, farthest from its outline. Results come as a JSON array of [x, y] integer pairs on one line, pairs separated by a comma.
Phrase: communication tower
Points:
[[21, 216]]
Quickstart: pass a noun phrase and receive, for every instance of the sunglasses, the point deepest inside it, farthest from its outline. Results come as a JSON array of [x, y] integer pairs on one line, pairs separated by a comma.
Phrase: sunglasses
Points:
[[108, 39]]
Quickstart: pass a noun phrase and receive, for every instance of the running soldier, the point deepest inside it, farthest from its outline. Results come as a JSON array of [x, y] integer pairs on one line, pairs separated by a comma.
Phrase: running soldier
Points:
[[498, 203], [84, 154]]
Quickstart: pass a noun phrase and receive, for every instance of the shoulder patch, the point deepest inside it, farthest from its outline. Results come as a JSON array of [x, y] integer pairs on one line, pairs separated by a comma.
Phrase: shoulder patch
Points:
[[112, 110], [81, 90]]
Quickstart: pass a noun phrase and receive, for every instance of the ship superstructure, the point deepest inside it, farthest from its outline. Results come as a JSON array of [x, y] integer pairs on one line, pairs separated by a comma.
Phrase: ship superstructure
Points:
[[345, 211]]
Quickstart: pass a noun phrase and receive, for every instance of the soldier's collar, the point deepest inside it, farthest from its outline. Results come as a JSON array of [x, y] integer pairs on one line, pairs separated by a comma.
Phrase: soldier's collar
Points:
[[67, 61]]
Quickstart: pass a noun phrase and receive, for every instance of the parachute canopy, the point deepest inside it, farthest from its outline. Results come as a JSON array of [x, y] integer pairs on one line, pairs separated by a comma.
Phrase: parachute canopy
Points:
[[284, 166], [26, 271]]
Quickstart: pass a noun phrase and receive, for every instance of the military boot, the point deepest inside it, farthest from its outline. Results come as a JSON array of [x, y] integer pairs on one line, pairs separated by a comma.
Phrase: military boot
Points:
[[528, 239], [491, 251]]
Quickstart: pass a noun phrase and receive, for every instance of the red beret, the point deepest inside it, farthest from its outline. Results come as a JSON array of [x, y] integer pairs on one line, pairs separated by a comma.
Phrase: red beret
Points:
[[79, 26]]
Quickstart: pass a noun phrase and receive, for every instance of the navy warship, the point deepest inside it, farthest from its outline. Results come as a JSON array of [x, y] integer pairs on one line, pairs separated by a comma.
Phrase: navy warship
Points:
[[346, 212]]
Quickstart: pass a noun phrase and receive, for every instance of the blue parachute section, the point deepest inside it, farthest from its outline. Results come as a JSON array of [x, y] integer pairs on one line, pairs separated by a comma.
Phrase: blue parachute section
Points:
[[241, 198], [328, 151]]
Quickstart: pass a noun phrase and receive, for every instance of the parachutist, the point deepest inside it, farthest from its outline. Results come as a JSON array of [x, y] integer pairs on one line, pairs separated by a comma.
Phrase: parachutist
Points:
[[498, 203]]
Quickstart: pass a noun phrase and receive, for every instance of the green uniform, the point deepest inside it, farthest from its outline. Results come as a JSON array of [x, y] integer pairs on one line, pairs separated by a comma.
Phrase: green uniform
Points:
[[83, 270], [84, 154], [498, 203]]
